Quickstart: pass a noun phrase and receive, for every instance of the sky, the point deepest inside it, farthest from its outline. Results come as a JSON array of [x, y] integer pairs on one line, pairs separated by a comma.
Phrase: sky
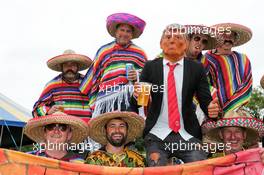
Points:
[[33, 31]]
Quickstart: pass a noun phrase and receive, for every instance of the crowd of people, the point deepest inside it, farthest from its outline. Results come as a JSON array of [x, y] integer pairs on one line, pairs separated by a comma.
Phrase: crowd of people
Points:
[[194, 99]]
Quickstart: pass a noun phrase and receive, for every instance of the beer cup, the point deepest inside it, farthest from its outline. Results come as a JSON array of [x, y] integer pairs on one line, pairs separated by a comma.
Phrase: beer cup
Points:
[[144, 94]]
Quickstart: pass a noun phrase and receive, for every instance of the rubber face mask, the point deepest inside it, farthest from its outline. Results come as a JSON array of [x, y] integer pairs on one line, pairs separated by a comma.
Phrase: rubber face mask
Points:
[[173, 45]]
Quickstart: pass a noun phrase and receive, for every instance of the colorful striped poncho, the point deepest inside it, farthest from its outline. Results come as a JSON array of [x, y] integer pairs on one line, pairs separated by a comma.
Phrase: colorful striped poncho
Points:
[[105, 82], [57, 91], [232, 77]]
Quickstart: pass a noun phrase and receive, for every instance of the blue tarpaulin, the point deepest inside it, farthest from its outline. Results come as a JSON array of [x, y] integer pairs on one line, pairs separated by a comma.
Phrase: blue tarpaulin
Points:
[[13, 117], [11, 113]]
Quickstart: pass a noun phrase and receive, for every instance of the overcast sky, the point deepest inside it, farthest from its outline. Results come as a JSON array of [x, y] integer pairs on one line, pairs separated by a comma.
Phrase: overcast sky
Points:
[[33, 31]]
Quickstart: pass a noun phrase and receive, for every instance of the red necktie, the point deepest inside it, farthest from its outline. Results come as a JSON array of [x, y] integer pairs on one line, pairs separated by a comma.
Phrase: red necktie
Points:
[[173, 110]]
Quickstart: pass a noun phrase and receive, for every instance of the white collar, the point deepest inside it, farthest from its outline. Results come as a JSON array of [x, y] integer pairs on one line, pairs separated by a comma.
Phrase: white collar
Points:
[[178, 62]]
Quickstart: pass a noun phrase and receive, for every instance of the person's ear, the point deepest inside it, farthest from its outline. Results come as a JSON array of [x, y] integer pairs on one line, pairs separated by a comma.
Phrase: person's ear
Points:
[[244, 134], [61, 67], [69, 136], [161, 42], [220, 134]]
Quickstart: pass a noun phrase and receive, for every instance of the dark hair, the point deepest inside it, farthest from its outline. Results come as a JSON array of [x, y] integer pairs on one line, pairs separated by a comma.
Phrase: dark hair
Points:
[[117, 118], [189, 36]]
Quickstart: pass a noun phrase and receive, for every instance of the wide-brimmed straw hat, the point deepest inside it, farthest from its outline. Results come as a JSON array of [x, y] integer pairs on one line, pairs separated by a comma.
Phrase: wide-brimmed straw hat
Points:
[[254, 127], [262, 82], [34, 129], [55, 63], [135, 126], [203, 30], [124, 18], [244, 34]]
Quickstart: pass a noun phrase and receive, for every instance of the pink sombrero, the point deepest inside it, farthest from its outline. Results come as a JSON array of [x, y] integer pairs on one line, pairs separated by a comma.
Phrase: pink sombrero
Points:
[[254, 127], [34, 128], [124, 18], [69, 55], [244, 33], [204, 30], [134, 121]]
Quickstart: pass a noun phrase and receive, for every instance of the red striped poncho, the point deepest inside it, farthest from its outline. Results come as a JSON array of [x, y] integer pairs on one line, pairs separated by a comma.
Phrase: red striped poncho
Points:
[[105, 82], [57, 91], [232, 77]]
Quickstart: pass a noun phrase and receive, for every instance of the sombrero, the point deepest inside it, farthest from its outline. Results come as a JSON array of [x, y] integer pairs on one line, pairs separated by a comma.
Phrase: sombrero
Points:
[[262, 82], [244, 33], [124, 18], [34, 129], [69, 55], [134, 121], [253, 126], [204, 30]]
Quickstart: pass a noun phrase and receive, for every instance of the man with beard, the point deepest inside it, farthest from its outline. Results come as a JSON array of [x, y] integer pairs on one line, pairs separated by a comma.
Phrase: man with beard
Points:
[[171, 120], [62, 92], [55, 134], [113, 130]]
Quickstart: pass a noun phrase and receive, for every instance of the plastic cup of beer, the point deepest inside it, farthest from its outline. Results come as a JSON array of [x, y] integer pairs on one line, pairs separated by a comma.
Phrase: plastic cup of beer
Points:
[[144, 94]]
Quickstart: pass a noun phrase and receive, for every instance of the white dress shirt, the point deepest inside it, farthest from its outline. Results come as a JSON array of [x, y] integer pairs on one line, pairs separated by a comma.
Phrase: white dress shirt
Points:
[[161, 129]]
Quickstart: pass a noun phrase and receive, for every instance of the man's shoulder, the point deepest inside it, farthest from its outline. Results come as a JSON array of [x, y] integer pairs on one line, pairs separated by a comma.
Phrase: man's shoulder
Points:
[[96, 156], [133, 45], [211, 54], [155, 61], [192, 63], [73, 157], [58, 78], [135, 155], [105, 46], [97, 153], [242, 55]]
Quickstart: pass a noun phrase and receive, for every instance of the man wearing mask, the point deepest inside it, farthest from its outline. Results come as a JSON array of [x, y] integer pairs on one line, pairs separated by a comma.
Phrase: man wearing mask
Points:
[[171, 119]]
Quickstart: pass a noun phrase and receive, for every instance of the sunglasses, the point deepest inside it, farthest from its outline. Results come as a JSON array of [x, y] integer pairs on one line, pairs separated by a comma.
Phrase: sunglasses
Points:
[[198, 38], [229, 42], [61, 127]]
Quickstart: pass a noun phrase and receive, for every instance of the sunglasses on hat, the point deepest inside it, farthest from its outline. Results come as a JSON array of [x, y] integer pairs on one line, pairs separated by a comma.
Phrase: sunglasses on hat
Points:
[[198, 38], [53, 126]]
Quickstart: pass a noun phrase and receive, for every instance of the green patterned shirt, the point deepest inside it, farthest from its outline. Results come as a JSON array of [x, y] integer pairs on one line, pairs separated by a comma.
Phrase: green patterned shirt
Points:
[[127, 159]]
